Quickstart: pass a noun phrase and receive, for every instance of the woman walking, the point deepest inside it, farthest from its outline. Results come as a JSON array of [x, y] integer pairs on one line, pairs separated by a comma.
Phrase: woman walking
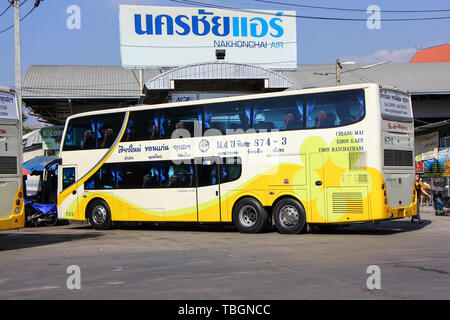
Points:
[[419, 185]]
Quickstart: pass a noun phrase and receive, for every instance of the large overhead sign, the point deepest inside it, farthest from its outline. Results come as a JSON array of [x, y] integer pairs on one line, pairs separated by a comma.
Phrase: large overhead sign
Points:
[[153, 37]]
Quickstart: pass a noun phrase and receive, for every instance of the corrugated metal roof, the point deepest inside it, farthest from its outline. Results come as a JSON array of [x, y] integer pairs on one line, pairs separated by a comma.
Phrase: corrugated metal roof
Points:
[[116, 82], [217, 70], [46, 81], [417, 78]]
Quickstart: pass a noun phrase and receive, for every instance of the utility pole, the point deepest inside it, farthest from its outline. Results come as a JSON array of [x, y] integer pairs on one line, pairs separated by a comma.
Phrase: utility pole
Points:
[[339, 70], [18, 69]]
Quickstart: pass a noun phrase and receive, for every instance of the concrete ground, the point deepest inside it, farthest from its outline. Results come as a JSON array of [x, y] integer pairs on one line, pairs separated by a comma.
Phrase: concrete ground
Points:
[[217, 262]]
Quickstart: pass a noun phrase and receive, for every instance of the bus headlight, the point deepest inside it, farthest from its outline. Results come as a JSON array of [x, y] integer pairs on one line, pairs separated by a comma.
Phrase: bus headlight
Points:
[[17, 210]]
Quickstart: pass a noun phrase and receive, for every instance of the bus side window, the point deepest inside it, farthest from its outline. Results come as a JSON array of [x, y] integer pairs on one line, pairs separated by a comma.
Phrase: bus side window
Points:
[[231, 169], [107, 128], [68, 177], [152, 178], [179, 122], [207, 173], [332, 109], [102, 179], [93, 132], [284, 113], [179, 175], [142, 125], [227, 117]]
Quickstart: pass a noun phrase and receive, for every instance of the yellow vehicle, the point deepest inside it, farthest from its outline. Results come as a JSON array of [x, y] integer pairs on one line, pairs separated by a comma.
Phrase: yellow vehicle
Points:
[[12, 212], [316, 156]]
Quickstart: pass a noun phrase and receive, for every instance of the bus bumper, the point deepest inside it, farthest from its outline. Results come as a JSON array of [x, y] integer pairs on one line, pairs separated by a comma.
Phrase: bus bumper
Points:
[[397, 213], [15, 221]]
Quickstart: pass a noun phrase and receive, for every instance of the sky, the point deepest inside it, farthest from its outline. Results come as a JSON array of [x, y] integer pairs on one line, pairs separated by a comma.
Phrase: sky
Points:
[[46, 40]]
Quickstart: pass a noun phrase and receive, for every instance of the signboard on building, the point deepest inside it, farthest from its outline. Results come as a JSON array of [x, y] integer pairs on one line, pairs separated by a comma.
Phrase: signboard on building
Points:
[[8, 107], [427, 146], [154, 37], [190, 96], [51, 137]]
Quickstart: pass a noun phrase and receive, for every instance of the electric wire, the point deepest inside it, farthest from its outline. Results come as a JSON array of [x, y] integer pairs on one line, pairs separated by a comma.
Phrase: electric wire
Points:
[[21, 19], [350, 9], [207, 5]]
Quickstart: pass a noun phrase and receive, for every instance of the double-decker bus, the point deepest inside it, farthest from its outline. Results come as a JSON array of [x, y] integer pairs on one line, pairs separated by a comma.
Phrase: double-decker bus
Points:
[[334, 155], [12, 212]]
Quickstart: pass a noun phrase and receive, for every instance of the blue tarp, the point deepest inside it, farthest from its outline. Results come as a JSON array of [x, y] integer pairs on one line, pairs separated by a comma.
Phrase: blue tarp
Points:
[[43, 208], [38, 163]]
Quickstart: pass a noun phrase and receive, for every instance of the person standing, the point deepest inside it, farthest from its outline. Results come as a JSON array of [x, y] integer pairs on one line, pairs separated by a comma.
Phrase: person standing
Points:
[[419, 186]]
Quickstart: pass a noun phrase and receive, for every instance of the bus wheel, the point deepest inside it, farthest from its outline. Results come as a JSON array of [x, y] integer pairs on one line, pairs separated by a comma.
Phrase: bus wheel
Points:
[[100, 215], [249, 216], [289, 216]]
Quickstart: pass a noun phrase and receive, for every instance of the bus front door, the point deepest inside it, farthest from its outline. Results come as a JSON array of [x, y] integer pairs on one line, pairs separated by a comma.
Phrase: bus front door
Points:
[[208, 190], [68, 194]]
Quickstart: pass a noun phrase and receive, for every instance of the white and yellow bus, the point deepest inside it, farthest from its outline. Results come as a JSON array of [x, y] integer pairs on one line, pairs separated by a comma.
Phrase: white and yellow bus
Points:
[[12, 212], [335, 155]]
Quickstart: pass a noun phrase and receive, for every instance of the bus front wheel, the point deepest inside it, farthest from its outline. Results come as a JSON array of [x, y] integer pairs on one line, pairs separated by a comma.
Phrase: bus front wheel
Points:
[[289, 216], [249, 216], [100, 215]]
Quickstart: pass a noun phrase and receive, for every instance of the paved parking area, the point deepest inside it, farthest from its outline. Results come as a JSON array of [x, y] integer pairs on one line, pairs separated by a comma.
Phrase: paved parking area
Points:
[[217, 262]]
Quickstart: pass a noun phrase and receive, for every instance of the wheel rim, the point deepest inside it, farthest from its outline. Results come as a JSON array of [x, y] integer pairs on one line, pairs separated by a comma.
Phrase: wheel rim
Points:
[[289, 216], [248, 216], [99, 214]]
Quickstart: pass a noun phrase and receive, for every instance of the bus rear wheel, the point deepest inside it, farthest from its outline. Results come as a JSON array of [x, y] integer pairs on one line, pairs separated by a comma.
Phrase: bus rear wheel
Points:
[[100, 215], [289, 216], [249, 216]]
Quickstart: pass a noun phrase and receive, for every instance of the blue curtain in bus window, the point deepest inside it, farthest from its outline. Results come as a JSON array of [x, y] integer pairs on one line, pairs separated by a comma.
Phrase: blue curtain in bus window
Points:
[[360, 98], [309, 108], [130, 125], [89, 185], [117, 177], [163, 131], [154, 172], [191, 177], [69, 133], [213, 175], [200, 118], [99, 127], [255, 113], [155, 121], [300, 108], [163, 174], [208, 115]]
